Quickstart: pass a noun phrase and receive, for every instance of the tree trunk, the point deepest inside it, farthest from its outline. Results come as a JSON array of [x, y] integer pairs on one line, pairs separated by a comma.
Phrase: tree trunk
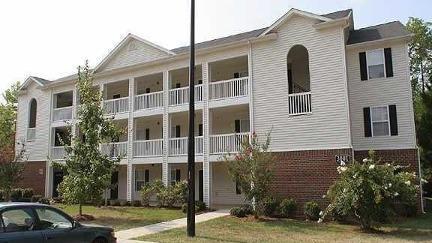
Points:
[[422, 77]]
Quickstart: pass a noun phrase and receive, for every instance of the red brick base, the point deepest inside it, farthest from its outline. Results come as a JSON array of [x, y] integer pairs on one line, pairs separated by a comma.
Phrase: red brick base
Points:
[[307, 175], [34, 177]]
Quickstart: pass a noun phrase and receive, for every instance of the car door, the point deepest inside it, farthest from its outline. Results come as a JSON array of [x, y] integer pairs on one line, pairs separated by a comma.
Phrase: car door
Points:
[[57, 228], [17, 226]]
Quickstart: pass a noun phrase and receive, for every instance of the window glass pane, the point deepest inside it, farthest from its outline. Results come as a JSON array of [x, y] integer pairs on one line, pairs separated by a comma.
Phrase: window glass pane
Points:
[[380, 129], [50, 219], [17, 220], [375, 57], [376, 71], [139, 175], [379, 114]]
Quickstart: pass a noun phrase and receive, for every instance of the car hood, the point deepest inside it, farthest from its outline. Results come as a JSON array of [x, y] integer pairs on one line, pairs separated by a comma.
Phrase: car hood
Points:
[[96, 226]]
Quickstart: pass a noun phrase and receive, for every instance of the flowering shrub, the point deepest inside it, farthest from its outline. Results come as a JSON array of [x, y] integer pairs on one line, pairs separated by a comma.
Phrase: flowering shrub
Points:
[[369, 191], [312, 210], [166, 196]]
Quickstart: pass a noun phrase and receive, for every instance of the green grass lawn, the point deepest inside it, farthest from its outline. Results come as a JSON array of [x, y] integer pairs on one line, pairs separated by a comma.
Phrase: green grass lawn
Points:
[[124, 217], [230, 229]]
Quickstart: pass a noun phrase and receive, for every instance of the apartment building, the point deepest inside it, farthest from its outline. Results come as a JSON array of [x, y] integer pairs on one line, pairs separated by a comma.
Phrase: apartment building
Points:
[[327, 92]]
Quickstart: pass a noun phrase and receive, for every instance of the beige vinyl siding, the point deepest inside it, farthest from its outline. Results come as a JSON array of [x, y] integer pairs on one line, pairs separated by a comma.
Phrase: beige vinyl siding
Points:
[[328, 125], [36, 150], [128, 57], [223, 187], [382, 92]]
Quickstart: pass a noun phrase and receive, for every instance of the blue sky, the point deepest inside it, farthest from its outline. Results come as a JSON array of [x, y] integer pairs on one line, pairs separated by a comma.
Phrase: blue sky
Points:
[[50, 38]]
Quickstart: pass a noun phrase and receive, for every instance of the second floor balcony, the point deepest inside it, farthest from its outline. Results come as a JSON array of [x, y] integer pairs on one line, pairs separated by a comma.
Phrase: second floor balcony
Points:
[[119, 105]]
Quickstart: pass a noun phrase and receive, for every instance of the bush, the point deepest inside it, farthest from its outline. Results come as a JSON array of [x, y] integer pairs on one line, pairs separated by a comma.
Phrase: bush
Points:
[[2, 196], [35, 198], [269, 206], [312, 210], [124, 203], [136, 203], [27, 192], [199, 207], [371, 192], [44, 200], [16, 194], [287, 207], [238, 212], [114, 202], [149, 190]]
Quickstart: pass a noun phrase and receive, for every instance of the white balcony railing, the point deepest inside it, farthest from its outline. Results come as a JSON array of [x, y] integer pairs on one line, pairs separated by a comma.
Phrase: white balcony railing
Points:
[[31, 134], [116, 105], [300, 103], [146, 148], [150, 100], [224, 143], [115, 150], [64, 113], [58, 152], [179, 146], [181, 95], [229, 88]]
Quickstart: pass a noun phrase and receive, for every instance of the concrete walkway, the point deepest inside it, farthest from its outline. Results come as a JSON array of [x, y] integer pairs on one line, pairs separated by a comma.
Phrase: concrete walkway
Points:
[[126, 235]]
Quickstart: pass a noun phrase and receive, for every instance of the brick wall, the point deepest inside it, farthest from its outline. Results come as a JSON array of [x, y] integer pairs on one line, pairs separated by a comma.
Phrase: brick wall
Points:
[[307, 175], [34, 177]]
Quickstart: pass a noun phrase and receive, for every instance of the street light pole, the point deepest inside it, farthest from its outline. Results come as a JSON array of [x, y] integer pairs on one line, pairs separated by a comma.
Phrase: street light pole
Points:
[[191, 139]]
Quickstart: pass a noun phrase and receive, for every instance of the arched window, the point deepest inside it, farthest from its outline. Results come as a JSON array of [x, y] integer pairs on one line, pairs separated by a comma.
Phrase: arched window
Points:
[[298, 70], [32, 114]]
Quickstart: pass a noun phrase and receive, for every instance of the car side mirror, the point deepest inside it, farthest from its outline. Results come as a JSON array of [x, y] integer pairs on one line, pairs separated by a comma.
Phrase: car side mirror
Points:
[[75, 224]]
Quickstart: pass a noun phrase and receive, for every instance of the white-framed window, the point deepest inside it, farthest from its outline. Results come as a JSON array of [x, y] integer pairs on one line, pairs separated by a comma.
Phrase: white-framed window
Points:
[[380, 121], [375, 63], [175, 176], [141, 178]]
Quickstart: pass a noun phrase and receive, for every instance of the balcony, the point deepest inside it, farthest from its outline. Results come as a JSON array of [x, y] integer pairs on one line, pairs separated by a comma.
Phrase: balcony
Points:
[[148, 148], [179, 146], [180, 96], [227, 143], [300, 103], [114, 106], [58, 152], [115, 150], [63, 113], [229, 88], [149, 101]]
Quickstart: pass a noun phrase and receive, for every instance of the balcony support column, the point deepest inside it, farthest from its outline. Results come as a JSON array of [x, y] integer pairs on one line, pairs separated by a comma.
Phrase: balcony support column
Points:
[[165, 130], [250, 90], [130, 131], [206, 138]]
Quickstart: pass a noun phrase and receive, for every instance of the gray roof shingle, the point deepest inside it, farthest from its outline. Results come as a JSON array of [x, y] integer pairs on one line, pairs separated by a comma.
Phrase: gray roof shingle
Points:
[[41, 80], [378, 32], [338, 14]]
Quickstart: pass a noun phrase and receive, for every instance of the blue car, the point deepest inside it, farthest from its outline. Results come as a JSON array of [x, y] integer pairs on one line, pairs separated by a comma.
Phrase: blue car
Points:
[[39, 223]]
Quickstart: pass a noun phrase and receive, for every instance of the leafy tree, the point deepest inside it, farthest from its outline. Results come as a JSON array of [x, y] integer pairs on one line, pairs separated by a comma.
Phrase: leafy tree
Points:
[[8, 111], [370, 192], [420, 50], [11, 173], [424, 133], [252, 169], [88, 170]]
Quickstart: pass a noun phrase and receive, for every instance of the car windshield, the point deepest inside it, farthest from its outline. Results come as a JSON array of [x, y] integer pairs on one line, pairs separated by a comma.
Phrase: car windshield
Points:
[[50, 219]]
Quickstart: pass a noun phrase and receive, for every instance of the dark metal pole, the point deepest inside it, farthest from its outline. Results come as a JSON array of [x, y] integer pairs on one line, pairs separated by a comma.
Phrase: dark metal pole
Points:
[[191, 140]]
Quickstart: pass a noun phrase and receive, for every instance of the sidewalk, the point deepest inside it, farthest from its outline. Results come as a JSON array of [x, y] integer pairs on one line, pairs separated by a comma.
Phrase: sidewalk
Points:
[[126, 235]]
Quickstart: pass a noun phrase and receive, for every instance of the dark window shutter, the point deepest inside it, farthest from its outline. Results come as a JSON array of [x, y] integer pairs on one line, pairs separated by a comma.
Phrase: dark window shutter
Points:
[[148, 90], [237, 187], [237, 126], [147, 134], [367, 122], [200, 129], [388, 62], [177, 131], [363, 66], [236, 75], [393, 120], [178, 175], [147, 176], [177, 85], [290, 82]]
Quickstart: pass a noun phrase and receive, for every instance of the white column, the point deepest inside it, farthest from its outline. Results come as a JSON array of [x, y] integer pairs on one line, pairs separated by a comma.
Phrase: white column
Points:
[[165, 130], [130, 131], [48, 179], [206, 137], [250, 84]]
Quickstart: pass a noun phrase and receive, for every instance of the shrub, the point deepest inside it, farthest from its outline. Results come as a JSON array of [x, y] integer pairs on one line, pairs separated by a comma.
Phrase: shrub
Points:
[[16, 194], [199, 207], [27, 192], [35, 198], [269, 206], [2, 196], [312, 210], [115, 202], [287, 207], [44, 200], [149, 190], [124, 203], [369, 192], [238, 212], [136, 203]]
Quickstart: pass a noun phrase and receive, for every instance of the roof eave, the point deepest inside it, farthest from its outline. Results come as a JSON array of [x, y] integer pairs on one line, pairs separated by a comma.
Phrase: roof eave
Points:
[[405, 38]]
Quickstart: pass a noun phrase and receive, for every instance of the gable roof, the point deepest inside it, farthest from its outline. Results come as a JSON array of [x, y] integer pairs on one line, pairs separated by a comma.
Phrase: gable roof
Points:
[[37, 80], [378, 32], [123, 43], [338, 14]]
